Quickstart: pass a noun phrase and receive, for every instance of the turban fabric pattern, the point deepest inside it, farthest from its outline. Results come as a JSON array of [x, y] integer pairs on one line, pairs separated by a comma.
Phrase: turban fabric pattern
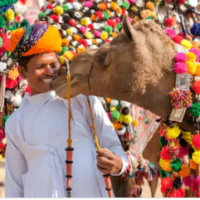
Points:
[[36, 39]]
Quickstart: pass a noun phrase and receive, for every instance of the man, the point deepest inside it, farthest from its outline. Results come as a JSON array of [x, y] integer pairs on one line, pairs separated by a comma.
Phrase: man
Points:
[[37, 131]]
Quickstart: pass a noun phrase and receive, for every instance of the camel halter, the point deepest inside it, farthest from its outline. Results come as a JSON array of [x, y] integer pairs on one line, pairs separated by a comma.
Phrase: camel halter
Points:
[[69, 149], [89, 85]]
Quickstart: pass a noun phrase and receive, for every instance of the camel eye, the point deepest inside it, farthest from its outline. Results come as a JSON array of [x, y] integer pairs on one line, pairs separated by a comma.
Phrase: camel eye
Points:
[[101, 61]]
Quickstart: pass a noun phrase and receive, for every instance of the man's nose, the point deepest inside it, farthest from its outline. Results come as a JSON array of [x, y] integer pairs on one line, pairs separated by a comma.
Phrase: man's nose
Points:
[[49, 70]]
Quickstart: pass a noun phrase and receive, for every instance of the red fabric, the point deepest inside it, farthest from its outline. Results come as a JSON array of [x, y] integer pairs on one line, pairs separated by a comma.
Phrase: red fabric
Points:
[[55, 18]]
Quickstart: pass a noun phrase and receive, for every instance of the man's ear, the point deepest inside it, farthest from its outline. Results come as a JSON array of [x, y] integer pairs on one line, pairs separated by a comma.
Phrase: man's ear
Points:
[[22, 72]]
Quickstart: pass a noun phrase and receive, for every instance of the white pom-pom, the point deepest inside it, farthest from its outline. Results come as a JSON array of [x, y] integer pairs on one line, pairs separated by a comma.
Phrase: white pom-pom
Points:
[[122, 130], [16, 100], [93, 47], [8, 94], [60, 1], [23, 85], [114, 102], [89, 41], [77, 6], [19, 8], [125, 104], [2, 66]]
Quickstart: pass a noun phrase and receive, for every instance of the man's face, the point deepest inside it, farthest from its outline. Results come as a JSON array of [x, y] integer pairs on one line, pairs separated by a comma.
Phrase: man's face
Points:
[[41, 70]]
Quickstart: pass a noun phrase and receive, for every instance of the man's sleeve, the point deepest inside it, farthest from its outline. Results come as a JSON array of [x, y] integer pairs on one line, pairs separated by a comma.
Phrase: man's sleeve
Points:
[[15, 164], [107, 136]]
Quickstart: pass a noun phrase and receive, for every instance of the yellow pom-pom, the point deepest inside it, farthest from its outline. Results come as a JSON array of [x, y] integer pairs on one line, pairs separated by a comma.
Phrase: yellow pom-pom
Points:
[[165, 165], [134, 8], [197, 73], [191, 56], [69, 32], [196, 157], [80, 49], [114, 34], [153, 14], [58, 10], [186, 43], [13, 74], [104, 35], [1, 157], [135, 123], [121, 118], [173, 133], [127, 119], [62, 60], [9, 14], [69, 55], [88, 35], [84, 21], [185, 171], [112, 108], [191, 67]]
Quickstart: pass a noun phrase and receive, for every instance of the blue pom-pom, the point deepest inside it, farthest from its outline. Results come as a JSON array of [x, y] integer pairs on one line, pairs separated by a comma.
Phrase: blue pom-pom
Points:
[[195, 30]]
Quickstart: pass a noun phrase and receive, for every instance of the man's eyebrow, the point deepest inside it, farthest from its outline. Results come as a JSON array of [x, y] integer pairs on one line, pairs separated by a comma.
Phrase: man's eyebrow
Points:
[[44, 63]]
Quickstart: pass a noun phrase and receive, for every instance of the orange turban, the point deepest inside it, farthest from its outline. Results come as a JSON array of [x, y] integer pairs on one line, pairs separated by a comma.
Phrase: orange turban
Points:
[[35, 39]]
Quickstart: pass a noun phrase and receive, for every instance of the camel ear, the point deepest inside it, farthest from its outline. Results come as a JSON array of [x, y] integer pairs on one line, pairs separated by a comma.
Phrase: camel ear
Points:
[[128, 29]]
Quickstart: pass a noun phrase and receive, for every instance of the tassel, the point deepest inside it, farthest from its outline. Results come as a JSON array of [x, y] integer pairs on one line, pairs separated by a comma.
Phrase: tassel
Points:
[[2, 92]]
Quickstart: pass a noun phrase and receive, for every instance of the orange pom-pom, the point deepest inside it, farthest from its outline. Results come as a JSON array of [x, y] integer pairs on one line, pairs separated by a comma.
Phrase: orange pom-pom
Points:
[[193, 165], [65, 42], [76, 37], [113, 6], [114, 34], [102, 6], [109, 12], [93, 17], [135, 123], [80, 49], [197, 73], [117, 126], [108, 100], [94, 41], [185, 171], [150, 5]]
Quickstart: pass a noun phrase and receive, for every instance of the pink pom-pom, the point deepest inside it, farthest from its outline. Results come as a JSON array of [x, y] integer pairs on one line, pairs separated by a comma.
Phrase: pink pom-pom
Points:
[[180, 68], [88, 4], [170, 32], [187, 181], [82, 29], [97, 34], [196, 141], [180, 57], [196, 52], [198, 180], [117, 19], [2, 136], [183, 151], [132, 1], [178, 193], [109, 115]]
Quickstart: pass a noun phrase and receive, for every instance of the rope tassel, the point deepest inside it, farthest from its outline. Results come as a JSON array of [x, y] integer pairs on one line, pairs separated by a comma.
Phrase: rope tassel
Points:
[[106, 176]]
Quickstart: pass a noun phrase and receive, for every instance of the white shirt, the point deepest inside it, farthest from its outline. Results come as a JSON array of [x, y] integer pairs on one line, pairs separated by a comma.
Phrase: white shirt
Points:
[[36, 140]]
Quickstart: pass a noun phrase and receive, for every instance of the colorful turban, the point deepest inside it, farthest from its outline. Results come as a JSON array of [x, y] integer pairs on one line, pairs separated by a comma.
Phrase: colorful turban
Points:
[[35, 39]]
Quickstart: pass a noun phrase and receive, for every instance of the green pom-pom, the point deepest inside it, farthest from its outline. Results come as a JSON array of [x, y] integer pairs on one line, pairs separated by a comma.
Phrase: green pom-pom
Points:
[[2, 22], [108, 29], [195, 109], [1, 42], [119, 26], [163, 142], [4, 120], [14, 27], [119, 106], [105, 15], [183, 142], [163, 173], [115, 115], [186, 3], [176, 165], [24, 23], [41, 15], [125, 5], [65, 8], [64, 49]]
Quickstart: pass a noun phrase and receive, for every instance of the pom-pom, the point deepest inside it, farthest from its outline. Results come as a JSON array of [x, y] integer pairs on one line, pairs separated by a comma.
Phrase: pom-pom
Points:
[[41, 15], [150, 5], [168, 22], [88, 4], [108, 29], [197, 73], [2, 22], [163, 173], [191, 57], [104, 35], [180, 57], [181, 1], [165, 153], [183, 151], [165, 164], [173, 133], [196, 87], [125, 111], [177, 39], [127, 119], [55, 18], [195, 109], [9, 15], [68, 55], [113, 6], [117, 126], [102, 6], [185, 171], [196, 52], [24, 23], [187, 181], [135, 123], [195, 29], [115, 115], [114, 102], [191, 67], [119, 106], [177, 183], [167, 183], [178, 193], [163, 141], [186, 44], [198, 180], [125, 104], [4, 120], [176, 164], [125, 5], [196, 157], [2, 135], [180, 68], [122, 130], [196, 141], [170, 32], [1, 145]]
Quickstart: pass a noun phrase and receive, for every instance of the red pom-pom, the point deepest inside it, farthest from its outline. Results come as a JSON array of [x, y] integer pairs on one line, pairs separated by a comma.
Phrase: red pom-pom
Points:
[[165, 154], [84, 43], [177, 39], [73, 52], [166, 183], [107, 40], [71, 1], [72, 22], [91, 26], [50, 6], [2, 135], [55, 18], [178, 193], [110, 22], [99, 14], [28, 89], [196, 141], [168, 22], [10, 84], [181, 1], [18, 18], [1, 145], [6, 42], [123, 11], [196, 87]]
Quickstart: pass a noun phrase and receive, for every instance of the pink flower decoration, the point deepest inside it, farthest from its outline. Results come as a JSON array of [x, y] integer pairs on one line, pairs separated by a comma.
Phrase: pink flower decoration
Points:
[[180, 57], [2, 136], [117, 19], [170, 32], [198, 180], [132, 1], [97, 34], [183, 151], [82, 29], [88, 4], [180, 68], [196, 52], [187, 181]]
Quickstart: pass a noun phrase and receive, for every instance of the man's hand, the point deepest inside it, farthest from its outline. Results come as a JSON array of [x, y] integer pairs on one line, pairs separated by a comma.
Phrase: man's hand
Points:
[[108, 162]]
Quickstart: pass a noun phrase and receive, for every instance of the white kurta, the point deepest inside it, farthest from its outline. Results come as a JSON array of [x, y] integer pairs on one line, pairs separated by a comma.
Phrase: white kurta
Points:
[[36, 141]]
